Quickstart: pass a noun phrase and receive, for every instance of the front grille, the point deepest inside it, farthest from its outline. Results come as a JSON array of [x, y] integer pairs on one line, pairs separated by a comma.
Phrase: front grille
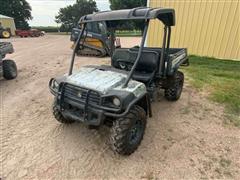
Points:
[[79, 94]]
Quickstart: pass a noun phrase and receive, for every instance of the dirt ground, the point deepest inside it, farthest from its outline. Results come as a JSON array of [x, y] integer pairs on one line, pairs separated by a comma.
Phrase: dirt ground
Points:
[[184, 140]]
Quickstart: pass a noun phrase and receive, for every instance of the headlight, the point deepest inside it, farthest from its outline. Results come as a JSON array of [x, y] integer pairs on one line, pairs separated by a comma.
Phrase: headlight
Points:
[[112, 102], [116, 101]]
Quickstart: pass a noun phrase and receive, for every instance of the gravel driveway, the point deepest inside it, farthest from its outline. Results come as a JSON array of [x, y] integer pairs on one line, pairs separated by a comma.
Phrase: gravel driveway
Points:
[[184, 140]]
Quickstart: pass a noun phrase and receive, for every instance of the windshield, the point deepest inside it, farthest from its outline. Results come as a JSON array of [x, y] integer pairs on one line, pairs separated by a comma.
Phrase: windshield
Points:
[[97, 27], [102, 27]]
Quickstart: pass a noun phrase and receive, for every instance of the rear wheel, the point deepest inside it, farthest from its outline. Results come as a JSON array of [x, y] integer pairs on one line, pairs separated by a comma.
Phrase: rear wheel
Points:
[[58, 115], [9, 69], [127, 132], [174, 91]]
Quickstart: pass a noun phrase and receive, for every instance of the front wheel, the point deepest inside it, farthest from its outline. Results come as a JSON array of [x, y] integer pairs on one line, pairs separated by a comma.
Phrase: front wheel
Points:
[[127, 132], [9, 69], [174, 90], [58, 115], [5, 34]]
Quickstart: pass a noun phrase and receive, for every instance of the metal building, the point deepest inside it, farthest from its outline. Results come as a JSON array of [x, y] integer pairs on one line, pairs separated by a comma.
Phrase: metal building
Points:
[[206, 28], [8, 22]]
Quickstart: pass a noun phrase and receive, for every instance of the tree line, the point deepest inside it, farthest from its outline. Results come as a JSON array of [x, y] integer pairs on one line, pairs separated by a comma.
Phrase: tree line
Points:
[[68, 16]]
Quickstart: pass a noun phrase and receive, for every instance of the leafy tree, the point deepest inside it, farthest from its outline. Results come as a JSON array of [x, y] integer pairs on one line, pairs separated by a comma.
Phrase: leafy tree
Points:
[[129, 4], [20, 10], [70, 15]]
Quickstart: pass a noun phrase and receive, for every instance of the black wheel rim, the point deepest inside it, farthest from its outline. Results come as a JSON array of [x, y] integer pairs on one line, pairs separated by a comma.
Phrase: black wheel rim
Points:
[[136, 132]]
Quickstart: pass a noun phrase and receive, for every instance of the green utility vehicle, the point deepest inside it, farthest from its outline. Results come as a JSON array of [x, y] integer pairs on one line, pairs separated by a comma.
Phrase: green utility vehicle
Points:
[[120, 95]]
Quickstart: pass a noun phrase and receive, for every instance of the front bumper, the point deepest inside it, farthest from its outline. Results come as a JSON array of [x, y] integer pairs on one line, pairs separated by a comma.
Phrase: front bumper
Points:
[[82, 109], [89, 116]]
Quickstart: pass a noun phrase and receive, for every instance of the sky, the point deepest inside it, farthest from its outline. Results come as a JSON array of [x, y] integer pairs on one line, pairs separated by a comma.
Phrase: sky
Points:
[[44, 11]]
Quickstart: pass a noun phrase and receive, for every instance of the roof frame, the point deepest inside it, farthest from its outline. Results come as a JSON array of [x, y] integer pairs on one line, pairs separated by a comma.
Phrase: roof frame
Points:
[[166, 15]]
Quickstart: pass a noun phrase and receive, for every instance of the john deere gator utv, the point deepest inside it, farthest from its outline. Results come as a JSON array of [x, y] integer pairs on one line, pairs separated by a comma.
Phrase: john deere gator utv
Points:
[[97, 41], [120, 95]]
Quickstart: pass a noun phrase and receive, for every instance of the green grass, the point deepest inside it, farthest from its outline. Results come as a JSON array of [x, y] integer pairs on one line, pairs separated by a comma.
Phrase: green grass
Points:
[[128, 33], [220, 79], [118, 33], [59, 33]]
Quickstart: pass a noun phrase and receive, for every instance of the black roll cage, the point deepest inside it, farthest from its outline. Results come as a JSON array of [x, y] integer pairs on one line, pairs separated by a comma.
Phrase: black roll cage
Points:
[[163, 65]]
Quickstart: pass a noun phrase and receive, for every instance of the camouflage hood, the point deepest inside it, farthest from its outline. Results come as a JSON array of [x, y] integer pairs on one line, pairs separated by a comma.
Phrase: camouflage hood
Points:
[[104, 80]]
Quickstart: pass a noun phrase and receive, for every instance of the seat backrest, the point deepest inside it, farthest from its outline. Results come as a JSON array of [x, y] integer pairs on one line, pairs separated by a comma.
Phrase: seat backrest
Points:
[[149, 60]]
